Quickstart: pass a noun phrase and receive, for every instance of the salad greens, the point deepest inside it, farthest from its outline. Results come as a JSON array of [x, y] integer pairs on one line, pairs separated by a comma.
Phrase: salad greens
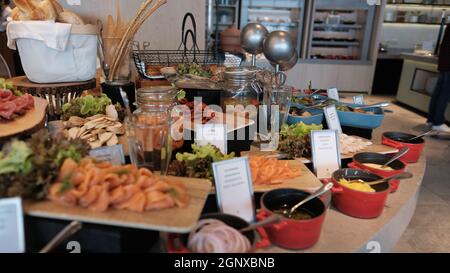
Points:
[[198, 163], [27, 169], [192, 69], [15, 158], [295, 139], [299, 130], [86, 106]]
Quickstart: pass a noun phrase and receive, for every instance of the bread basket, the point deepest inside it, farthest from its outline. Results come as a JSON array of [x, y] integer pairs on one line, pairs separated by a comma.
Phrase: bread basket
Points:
[[42, 64]]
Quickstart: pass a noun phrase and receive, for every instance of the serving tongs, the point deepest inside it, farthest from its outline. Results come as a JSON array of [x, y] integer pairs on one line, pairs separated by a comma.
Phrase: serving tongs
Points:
[[68, 231]]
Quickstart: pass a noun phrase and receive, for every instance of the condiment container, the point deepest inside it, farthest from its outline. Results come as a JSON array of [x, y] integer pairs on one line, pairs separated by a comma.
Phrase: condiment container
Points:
[[177, 243], [290, 233], [400, 140], [149, 130], [399, 167], [355, 203]]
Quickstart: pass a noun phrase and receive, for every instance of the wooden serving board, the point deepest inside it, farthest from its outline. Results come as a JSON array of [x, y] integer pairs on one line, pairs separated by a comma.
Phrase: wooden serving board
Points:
[[232, 123], [307, 181], [374, 148], [33, 120], [175, 220]]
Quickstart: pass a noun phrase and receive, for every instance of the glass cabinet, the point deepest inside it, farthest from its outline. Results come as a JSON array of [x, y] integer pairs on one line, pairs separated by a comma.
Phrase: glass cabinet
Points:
[[325, 31], [284, 15], [341, 30]]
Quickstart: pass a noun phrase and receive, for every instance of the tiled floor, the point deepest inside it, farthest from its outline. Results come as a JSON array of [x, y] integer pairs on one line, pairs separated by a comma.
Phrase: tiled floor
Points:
[[429, 230]]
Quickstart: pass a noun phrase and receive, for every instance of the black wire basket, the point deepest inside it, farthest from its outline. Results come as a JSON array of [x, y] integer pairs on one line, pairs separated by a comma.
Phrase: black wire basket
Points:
[[146, 58], [183, 55]]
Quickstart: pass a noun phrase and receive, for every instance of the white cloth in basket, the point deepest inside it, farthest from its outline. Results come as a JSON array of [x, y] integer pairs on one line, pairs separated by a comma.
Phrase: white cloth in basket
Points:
[[54, 35], [53, 52]]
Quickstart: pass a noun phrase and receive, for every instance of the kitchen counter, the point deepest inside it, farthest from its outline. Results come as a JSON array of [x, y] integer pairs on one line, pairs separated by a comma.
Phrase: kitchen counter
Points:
[[394, 53], [420, 58], [343, 233]]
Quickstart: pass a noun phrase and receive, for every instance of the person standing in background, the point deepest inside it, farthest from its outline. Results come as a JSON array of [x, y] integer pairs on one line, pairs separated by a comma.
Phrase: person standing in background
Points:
[[441, 94]]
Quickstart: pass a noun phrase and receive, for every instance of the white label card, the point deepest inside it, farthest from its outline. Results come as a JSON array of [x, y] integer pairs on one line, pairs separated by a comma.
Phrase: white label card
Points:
[[215, 134], [234, 188], [325, 152], [12, 237], [332, 118], [333, 93], [358, 99], [112, 154]]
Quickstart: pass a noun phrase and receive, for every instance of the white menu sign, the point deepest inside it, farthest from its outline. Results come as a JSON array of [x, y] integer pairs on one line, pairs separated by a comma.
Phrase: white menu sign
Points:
[[234, 188], [333, 93], [12, 237], [112, 154], [358, 99], [325, 152], [215, 134], [332, 118]]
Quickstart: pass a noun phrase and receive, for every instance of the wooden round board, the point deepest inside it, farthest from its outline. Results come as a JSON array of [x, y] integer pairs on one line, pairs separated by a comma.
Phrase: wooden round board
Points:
[[25, 85], [32, 121]]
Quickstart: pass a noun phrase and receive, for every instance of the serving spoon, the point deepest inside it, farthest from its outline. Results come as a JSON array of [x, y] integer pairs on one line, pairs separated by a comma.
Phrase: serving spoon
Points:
[[380, 104], [401, 153], [421, 135], [269, 220], [322, 190], [401, 176]]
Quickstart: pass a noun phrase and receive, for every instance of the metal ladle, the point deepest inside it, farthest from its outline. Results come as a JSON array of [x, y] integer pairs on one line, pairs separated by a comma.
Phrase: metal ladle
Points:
[[269, 220], [401, 176], [322, 190], [401, 153], [422, 135]]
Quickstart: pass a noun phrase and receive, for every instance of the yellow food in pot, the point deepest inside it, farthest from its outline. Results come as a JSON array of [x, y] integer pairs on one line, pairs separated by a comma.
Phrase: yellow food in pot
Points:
[[356, 185], [378, 167]]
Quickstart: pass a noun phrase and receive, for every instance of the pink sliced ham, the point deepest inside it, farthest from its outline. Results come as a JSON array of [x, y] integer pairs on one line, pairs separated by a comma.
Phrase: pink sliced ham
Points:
[[7, 109], [6, 95]]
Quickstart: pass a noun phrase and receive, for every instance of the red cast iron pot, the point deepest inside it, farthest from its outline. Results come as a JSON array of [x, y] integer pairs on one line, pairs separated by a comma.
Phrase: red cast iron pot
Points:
[[359, 204], [399, 140], [361, 158], [177, 243], [289, 233]]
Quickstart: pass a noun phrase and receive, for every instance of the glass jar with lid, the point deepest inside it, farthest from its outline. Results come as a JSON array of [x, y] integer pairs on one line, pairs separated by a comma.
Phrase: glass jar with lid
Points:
[[241, 87], [148, 130]]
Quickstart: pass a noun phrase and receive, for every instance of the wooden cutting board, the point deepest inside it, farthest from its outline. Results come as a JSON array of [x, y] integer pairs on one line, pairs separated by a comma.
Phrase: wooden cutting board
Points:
[[175, 220], [232, 122], [307, 181], [33, 120], [374, 148]]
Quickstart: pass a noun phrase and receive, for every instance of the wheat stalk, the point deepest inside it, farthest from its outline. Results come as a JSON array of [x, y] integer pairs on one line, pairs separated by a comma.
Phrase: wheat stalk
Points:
[[131, 31], [139, 13]]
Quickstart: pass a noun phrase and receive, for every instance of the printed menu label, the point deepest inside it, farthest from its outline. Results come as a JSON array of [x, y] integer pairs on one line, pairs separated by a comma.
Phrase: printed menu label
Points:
[[358, 99], [12, 238], [215, 134], [112, 154], [234, 188], [333, 93], [325, 152], [332, 118]]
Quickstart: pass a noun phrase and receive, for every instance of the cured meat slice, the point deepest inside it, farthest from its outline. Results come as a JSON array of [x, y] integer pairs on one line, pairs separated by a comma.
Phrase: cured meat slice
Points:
[[6, 95], [21, 105], [7, 109], [30, 101]]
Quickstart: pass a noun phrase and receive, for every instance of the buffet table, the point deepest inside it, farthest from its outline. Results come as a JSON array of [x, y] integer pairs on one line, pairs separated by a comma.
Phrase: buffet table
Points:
[[345, 234], [340, 233]]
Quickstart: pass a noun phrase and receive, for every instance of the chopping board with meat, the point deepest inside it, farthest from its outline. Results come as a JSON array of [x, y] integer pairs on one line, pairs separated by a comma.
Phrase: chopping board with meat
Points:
[[176, 219], [23, 115]]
